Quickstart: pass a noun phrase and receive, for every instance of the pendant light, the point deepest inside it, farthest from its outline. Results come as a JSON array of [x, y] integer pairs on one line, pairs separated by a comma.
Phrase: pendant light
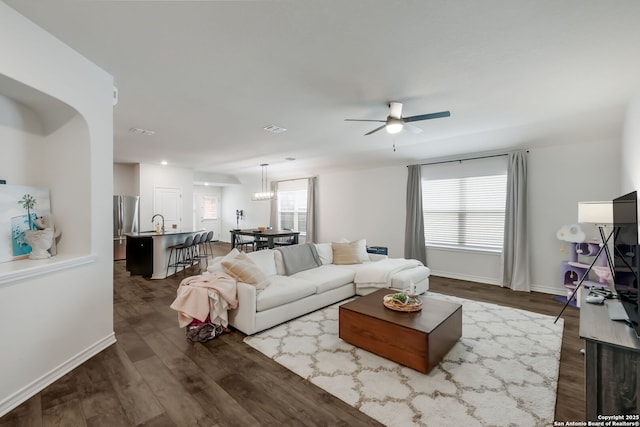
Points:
[[264, 193]]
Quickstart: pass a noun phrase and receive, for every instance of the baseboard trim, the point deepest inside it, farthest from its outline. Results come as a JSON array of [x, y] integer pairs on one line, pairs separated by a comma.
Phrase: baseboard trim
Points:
[[553, 290], [448, 275], [50, 377], [545, 289]]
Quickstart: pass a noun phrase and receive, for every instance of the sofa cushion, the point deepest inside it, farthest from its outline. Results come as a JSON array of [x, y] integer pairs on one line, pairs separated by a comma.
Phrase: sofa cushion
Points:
[[402, 279], [325, 252], [265, 260], [283, 290], [354, 267], [245, 270], [327, 277]]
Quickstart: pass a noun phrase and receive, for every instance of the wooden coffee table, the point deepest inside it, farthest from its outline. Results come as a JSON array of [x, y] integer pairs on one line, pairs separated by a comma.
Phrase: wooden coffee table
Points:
[[418, 340]]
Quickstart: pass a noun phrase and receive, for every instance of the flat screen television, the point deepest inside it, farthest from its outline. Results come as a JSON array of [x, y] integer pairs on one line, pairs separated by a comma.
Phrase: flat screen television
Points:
[[626, 254]]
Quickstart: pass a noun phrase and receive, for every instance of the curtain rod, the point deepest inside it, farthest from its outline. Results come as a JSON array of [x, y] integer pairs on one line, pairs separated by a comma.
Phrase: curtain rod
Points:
[[462, 160], [295, 179]]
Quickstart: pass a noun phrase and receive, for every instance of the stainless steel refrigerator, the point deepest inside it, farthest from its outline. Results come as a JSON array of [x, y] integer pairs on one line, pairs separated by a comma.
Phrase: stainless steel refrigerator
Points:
[[126, 219]]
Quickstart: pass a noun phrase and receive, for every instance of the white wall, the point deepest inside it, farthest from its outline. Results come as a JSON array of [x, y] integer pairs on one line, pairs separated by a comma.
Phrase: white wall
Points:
[[126, 181], [15, 118], [364, 204], [560, 177], [152, 176], [630, 152], [57, 313], [239, 197], [69, 187]]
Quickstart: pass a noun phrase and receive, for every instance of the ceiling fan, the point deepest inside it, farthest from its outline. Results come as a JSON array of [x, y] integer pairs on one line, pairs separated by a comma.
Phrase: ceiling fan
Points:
[[395, 122]]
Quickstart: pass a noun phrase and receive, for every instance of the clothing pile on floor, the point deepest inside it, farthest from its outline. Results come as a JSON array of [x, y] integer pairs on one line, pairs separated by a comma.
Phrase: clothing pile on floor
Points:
[[198, 331], [202, 303]]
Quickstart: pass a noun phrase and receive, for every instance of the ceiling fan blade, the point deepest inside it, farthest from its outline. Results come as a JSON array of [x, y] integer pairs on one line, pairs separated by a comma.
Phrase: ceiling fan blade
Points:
[[375, 130], [412, 128], [395, 110], [364, 120], [426, 116]]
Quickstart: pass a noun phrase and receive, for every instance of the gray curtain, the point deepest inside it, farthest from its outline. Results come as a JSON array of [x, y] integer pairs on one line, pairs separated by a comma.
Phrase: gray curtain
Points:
[[312, 191], [414, 246], [273, 220], [515, 253]]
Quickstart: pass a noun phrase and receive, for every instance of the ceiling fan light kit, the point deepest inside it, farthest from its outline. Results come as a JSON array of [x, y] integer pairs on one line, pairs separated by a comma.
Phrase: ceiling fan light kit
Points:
[[393, 125], [395, 122]]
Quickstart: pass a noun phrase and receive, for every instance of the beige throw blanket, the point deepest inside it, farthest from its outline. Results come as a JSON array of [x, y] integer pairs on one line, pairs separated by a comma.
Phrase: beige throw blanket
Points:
[[379, 274], [208, 294]]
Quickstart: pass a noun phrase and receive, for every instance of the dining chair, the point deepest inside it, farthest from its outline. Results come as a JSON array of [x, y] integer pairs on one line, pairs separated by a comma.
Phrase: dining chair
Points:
[[245, 242], [285, 241]]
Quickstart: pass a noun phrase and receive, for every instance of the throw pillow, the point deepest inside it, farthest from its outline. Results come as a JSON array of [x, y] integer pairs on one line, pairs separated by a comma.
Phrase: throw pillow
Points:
[[244, 270], [361, 248], [346, 253], [216, 265], [325, 252]]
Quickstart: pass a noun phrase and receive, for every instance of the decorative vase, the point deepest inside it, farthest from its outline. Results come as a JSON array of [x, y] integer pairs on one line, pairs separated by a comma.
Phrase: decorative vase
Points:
[[40, 242]]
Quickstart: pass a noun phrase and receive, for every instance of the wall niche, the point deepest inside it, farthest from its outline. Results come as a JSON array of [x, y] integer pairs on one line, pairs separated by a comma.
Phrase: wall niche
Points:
[[46, 144]]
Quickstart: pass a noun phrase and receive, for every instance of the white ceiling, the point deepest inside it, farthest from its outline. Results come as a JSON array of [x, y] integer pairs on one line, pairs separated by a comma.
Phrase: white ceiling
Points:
[[207, 76]]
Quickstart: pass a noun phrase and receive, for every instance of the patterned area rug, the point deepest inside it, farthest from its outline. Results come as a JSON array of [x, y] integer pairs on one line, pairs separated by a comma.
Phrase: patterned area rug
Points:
[[503, 371]]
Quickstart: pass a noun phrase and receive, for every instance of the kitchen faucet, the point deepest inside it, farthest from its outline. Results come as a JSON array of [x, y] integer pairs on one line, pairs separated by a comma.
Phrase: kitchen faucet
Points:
[[162, 218]]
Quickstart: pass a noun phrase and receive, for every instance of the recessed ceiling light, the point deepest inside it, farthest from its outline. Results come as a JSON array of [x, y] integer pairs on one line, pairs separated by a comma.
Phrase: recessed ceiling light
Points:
[[142, 131], [164, 163], [274, 129]]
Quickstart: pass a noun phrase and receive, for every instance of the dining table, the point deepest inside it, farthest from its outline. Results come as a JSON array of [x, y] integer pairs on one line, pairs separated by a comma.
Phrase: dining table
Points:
[[268, 234]]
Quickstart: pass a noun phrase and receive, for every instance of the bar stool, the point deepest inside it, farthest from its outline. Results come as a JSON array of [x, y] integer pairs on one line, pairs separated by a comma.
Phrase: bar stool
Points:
[[194, 255], [181, 255], [200, 249], [206, 248]]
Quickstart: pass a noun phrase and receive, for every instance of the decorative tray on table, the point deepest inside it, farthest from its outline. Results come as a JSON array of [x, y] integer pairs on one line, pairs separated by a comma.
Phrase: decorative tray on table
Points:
[[395, 302]]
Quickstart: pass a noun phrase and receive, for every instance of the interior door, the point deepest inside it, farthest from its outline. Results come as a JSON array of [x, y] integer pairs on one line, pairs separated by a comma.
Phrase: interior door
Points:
[[167, 201]]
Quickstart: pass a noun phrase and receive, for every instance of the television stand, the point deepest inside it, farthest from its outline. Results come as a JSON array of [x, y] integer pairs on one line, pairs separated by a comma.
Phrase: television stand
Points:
[[612, 364], [616, 310]]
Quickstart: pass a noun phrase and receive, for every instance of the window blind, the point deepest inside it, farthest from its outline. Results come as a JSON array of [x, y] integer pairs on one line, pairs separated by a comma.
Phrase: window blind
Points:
[[465, 212], [292, 205], [209, 207]]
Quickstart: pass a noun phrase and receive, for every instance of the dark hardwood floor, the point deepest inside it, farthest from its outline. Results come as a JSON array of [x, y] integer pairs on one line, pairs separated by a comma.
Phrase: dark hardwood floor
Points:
[[153, 376]]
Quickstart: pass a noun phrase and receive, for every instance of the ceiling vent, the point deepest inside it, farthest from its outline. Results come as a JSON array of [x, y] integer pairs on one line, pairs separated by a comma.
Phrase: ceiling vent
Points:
[[274, 129], [142, 131]]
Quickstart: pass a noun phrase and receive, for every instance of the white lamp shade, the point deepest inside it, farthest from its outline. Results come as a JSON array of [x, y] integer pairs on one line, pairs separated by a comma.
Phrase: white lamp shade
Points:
[[393, 125], [595, 212]]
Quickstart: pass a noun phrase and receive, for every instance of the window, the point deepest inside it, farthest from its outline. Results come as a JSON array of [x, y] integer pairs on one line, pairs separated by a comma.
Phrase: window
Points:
[[465, 212], [209, 207], [292, 205]]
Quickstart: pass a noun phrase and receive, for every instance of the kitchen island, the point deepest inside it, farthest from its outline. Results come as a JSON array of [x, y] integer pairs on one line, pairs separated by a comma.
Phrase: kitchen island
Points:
[[148, 251]]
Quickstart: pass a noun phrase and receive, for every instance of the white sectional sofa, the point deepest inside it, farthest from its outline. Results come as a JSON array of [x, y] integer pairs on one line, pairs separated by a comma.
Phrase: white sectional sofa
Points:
[[277, 297]]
